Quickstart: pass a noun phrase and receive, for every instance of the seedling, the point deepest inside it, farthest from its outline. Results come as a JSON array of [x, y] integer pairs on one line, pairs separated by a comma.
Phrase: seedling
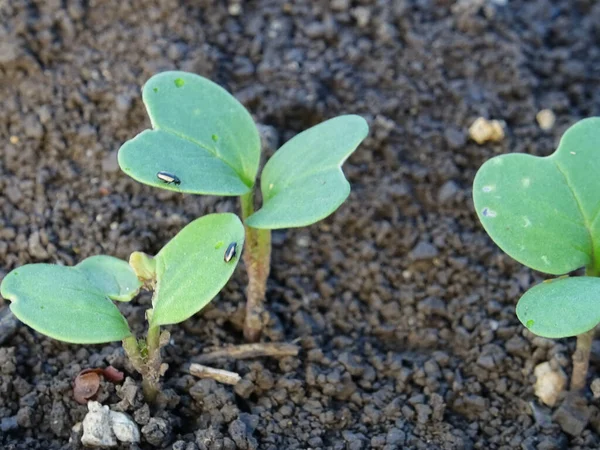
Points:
[[75, 304], [209, 140], [545, 213]]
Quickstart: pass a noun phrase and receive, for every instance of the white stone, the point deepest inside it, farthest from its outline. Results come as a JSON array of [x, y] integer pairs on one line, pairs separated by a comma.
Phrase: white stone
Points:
[[545, 119], [303, 241], [549, 384], [483, 130], [362, 14], [125, 429], [234, 9], [97, 431]]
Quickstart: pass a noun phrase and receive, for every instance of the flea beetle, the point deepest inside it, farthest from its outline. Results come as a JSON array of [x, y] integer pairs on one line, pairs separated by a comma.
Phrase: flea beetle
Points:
[[230, 252], [168, 178]]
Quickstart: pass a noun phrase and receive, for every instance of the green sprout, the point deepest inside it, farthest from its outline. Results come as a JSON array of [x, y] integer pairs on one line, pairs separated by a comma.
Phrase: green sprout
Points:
[[75, 304], [203, 141], [545, 213]]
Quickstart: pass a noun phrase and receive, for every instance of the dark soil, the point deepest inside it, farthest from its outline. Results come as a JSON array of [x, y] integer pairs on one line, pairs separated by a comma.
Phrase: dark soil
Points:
[[404, 308]]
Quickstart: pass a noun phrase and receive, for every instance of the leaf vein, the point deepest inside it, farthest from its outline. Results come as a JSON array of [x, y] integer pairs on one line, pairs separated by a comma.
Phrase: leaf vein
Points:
[[213, 152], [580, 208]]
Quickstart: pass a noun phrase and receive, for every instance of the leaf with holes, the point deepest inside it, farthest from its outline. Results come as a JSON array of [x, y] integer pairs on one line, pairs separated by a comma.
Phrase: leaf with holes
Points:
[[303, 182], [73, 304], [191, 269], [202, 141], [561, 307], [545, 212]]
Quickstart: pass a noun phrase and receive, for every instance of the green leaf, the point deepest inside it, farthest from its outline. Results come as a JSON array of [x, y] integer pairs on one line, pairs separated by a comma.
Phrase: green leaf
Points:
[[112, 276], [562, 307], [545, 212], [72, 304], [191, 270], [201, 134], [303, 182]]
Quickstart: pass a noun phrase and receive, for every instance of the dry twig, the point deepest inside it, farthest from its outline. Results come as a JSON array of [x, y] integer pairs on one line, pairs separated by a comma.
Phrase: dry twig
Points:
[[247, 351], [222, 376]]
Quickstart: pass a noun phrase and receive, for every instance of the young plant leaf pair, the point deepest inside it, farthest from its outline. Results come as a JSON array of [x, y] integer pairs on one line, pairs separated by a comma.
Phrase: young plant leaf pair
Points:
[[545, 213], [204, 138], [75, 304], [203, 141]]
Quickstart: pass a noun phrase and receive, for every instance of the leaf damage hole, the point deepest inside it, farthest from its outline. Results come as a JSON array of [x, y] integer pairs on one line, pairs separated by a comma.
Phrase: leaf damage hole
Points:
[[526, 182], [546, 260], [487, 188], [179, 82], [526, 222], [487, 212]]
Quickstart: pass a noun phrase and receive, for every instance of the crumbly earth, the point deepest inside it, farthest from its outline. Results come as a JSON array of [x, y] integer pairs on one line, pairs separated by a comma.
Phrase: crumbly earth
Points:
[[404, 308]]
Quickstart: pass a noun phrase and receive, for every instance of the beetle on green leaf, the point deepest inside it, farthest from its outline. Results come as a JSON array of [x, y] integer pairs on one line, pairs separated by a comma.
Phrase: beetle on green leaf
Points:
[[205, 136], [75, 304]]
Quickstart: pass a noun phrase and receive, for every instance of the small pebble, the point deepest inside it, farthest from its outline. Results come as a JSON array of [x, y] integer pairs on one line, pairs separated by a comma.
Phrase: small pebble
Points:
[[545, 119], [595, 386], [362, 14], [483, 130], [447, 192], [395, 436], [124, 427], [573, 414], [157, 432], [36, 249], [455, 138], [9, 424], [424, 250], [234, 9], [340, 5], [549, 383], [8, 324], [303, 241], [110, 163], [97, 431], [9, 50]]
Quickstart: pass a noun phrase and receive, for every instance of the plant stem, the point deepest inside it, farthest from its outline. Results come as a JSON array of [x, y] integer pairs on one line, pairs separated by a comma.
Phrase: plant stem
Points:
[[151, 379], [153, 340], [131, 347], [581, 360], [146, 365], [583, 349], [257, 258]]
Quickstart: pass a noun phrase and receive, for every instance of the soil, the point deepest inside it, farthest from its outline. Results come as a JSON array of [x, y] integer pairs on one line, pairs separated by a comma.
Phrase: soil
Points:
[[403, 307]]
